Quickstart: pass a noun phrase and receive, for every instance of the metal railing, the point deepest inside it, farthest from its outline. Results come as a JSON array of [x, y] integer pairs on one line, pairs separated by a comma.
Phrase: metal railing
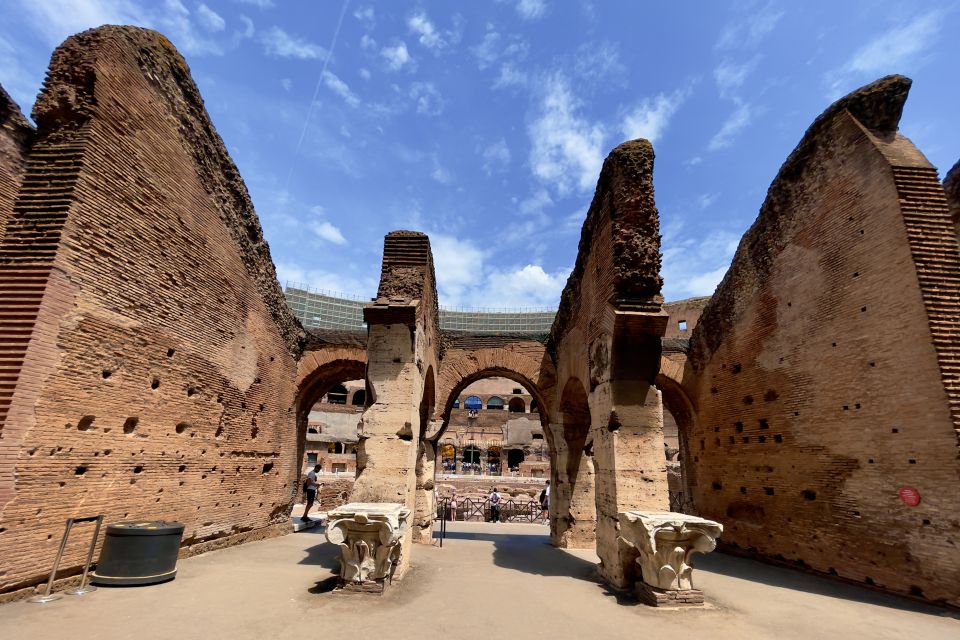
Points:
[[475, 509]]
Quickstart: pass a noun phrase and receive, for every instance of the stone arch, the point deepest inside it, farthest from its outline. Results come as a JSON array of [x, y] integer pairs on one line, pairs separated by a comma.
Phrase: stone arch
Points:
[[678, 403], [573, 504], [496, 403], [318, 371], [517, 405]]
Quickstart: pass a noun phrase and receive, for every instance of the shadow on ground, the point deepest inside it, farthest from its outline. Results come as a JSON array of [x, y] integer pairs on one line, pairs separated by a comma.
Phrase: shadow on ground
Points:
[[796, 580]]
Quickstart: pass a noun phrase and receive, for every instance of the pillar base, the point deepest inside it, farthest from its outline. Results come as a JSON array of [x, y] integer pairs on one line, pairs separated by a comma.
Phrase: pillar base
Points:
[[654, 597]]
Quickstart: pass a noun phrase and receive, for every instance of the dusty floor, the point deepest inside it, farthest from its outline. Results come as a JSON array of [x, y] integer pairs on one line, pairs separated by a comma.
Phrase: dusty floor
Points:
[[489, 580]]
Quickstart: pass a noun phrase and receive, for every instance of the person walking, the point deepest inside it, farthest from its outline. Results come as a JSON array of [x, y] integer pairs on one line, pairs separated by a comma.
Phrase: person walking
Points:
[[494, 505], [545, 503], [310, 491]]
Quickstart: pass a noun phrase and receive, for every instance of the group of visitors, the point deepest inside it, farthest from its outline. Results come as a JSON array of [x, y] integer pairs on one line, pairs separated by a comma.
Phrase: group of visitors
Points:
[[495, 500]]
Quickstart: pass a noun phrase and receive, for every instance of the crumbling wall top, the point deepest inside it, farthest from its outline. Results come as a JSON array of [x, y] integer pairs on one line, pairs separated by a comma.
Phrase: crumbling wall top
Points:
[[12, 119], [71, 97], [951, 184], [878, 107]]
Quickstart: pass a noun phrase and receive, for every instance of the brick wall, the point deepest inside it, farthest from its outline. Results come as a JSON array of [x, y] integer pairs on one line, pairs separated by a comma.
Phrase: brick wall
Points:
[[16, 135], [686, 311], [825, 361], [951, 184], [159, 379]]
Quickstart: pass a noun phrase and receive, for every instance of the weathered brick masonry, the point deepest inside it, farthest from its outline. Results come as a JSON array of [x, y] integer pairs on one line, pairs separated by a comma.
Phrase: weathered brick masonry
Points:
[[825, 368], [161, 368], [951, 184], [16, 134]]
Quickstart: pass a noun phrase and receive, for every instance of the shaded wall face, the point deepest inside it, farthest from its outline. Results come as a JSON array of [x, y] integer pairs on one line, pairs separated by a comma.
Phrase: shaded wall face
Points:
[[15, 137], [157, 385], [824, 397], [684, 316]]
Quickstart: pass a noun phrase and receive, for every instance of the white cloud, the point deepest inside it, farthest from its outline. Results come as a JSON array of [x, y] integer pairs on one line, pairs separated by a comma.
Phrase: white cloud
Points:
[[510, 76], [428, 36], [566, 149], [427, 98], [364, 73], [531, 9], [496, 156], [730, 76], [901, 46], [526, 286], [248, 28], [340, 88], [260, 4], [694, 161], [459, 265], [599, 62], [750, 26], [326, 231], [286, 83], [210, 19], [366, 42], [735, 124], [495, 47], [396, 56], [365, 15], [536, 202], [650, 118], [277, 42], [694, 267], [704, 200]]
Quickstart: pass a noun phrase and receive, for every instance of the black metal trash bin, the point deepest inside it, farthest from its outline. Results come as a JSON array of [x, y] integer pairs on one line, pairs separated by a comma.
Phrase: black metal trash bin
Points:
[[138, 553]]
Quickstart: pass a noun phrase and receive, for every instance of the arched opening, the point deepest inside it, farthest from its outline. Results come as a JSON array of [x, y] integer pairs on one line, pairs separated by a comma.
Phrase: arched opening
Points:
[[493, 461], [336, 395], [359, 398], [517, 405], [515, 459], [495, 404], [448, 457], [473, 404], [456, 403], [471, 454], [533, 406], [573, 502], [678, 421]]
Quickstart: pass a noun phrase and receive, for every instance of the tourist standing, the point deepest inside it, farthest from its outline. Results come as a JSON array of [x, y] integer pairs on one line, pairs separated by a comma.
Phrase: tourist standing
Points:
[[310, 491], [453, 506], [545, 503], [494, 505]]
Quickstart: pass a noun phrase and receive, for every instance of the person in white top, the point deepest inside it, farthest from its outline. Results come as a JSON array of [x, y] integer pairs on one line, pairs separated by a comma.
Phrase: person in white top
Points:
[[310, 491], [545, 503], [494, 505]]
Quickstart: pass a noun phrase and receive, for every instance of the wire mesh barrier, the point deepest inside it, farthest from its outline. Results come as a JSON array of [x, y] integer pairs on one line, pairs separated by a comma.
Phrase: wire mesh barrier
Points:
[[681, 503], [475, 509]]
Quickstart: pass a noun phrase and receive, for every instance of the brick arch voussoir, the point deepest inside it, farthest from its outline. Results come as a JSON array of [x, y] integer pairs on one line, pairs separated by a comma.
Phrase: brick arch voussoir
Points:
[[458, 366]]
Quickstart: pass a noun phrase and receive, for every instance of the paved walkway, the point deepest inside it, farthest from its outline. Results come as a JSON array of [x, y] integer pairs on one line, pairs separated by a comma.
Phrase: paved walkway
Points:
[[489, 580]]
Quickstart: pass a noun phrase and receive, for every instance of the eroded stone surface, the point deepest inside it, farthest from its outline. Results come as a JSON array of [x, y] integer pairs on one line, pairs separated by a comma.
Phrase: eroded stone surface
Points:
[[370, 537], [665, 542]]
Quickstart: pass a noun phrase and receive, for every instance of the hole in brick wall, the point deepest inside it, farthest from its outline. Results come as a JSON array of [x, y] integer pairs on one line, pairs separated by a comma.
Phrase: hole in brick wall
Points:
[[746, 439], [764, 424], [243, 405], [832, 571], [743, 489], [272, 358], [732, 440], [170, 352], [770, 395], [912, 461], [256, 381], [263, 407], [268, 467], [809, 494], [254, 432], [130, 424], [739, 427], [925, 521], [846, 408], [863, 309], [181, 427], [716, 486], [856, 274], [220, 398], [761, 439], [856, 514], [856, 406], [916, 591], [219, 432], [86, 423], [869, 581], [62, 483], [737, 368], [894, 430], [79, 471], [833, 344], [702, 444], [789, 304], [107, 373], [182, 468], [191, 391], [138, 468], [716, 429], [155, 383], [873, 364], [768, 491], [714, 390], [747, 399]]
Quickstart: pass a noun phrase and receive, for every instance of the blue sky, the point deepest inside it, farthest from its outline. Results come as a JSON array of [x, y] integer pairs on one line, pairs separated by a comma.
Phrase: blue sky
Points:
[[485, 123]]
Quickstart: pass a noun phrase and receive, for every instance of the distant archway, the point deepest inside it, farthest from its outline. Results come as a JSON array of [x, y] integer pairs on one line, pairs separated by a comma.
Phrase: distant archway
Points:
[[495, 403], [573, 502], [517, 405], [359, 398]]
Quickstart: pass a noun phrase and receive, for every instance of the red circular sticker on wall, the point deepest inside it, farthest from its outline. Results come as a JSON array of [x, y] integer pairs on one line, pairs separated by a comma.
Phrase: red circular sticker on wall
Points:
[[909, 496]]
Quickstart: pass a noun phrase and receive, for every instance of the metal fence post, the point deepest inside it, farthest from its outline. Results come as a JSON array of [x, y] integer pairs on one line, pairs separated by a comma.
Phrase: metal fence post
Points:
[[84, 587], [47, 596]]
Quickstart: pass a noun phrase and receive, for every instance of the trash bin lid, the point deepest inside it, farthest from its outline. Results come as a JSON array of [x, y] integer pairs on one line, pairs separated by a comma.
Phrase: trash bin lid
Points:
[[145, 528]]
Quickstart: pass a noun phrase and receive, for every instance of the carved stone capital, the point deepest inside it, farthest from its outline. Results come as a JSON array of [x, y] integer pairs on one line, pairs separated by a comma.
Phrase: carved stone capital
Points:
[[665, 541], [370, 537]]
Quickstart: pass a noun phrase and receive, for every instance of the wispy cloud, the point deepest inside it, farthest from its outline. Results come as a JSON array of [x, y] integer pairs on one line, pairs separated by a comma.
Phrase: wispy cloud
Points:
[[566, 149], [750, 26], [322, 228], [730, 75], [279, 43], [903, 45], [427, 98], [260, 4], [496, 156], [694, 267], [365, 15], [495, 47], [733, 126], [396, 56], [531, 9], [430, 36], [650, 118], [210, 19], [340, 88]]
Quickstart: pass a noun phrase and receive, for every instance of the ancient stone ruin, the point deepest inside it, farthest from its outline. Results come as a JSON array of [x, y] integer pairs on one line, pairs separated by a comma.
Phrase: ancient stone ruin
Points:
[[152, 369]]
